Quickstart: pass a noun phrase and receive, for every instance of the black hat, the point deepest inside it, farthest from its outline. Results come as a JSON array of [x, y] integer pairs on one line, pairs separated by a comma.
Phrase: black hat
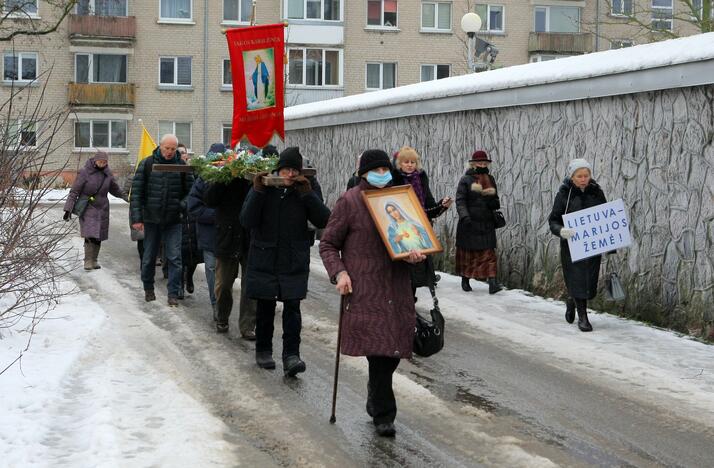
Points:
[[270, 150], [290, 157], [217, 148], [372, 159]]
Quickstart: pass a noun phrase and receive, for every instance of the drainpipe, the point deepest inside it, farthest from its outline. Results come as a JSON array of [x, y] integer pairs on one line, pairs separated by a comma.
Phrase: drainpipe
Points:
[[597, 26], [205, 73]]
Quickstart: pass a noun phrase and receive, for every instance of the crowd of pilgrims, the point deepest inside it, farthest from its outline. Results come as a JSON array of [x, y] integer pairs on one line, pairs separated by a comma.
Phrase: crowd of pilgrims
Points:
[[265, 233]]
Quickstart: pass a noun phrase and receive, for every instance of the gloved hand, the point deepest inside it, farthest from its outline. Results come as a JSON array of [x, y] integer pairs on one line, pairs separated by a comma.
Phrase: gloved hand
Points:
[[67, 216], [302, 185], [566, 233], [258, 185]]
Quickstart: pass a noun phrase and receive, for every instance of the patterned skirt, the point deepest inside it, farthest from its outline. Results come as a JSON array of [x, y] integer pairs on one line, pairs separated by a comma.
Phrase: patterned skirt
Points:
[[478, 264]]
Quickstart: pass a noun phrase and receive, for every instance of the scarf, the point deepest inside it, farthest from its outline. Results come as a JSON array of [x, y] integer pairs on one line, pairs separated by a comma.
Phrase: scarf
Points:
[[481, 177], [414, 179]]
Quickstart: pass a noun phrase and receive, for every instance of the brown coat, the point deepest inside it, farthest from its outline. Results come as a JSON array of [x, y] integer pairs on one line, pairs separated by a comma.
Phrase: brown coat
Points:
[[379, 316]]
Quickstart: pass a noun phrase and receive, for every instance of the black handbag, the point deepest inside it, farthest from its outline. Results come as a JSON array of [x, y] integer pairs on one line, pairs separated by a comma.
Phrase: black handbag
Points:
[[429, 335], [498, 219], [80, 205]]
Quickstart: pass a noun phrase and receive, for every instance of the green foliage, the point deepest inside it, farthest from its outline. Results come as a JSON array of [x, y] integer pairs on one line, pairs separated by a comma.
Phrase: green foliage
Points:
[[222, 168]]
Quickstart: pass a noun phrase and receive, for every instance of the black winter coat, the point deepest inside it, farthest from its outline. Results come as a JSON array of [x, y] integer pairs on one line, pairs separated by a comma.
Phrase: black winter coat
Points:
[[476, 229], [161, 197], [279, 257], [204, 216], [580, 277], [232, 239]]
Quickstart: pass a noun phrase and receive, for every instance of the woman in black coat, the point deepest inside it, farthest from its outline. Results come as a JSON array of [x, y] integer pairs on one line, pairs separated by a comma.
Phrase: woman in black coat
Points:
[[476, 200], [279, 256], [578, 191]]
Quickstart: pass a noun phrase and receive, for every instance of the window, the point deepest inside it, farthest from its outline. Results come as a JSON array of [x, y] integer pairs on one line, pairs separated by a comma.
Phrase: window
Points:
[[435, 72], [382, 13], [175, 10], [100, 134], [227, 77], [22, 66], [226, 132], [381, 75], [328, 10], [661, 15], [175, 71], [237, 10], [547, 58], [557, 19], [621, 8], [182, 130], [314, 67], [621, 43], [102, 7], [491, 17], [20, 7], [436, 16], [99, 68], [21, 134]]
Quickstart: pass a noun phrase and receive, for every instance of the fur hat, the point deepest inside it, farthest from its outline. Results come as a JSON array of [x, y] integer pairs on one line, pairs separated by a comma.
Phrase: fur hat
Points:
[[101, 156], [270, 150], [479, 155], [290, 157], [372, 159], [217, 148], [576, 164]]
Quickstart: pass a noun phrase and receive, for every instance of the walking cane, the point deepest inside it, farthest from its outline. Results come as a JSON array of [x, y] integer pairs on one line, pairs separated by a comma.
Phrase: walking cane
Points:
[[337, 359]]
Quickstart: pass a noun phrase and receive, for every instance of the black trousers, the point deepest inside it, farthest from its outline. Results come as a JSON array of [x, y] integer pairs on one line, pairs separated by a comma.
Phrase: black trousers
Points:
[[381, 404], [264, 326]]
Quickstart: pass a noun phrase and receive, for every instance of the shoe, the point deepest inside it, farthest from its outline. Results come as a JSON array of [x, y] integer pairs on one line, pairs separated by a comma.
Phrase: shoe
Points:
[[149, 295], [386, 429], [570, 310], [493, 286], [88, 254], [465, 284], [95, 254], [293, 365], [189, 285], [248, 336], [173, 301], [583, 322], [264, 359], [221, 328]]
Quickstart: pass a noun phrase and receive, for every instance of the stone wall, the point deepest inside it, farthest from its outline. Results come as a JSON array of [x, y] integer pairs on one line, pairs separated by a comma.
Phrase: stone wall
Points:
[[655, 150]]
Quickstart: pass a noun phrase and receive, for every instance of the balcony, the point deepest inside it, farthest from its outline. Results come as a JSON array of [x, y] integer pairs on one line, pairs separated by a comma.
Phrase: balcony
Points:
[[560, 43], [101, 94], [112, 28]]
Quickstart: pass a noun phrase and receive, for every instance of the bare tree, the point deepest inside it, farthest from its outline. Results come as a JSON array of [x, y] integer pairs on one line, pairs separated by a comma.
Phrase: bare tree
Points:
[[19, 17]]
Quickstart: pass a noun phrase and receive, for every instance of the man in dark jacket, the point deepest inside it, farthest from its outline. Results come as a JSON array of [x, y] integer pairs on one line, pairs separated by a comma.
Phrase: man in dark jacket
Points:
[[231, 250], [157, 201], [279, 258]]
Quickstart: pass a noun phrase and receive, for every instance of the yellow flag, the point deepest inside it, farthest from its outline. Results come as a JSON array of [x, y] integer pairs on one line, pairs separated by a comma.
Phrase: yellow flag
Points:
[[146, 147]]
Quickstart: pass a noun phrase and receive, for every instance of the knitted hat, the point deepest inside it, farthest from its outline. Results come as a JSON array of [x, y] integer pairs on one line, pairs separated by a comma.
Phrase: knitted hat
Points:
[[372, 159], [101, 156], [479, 155], [290, 157], [217, 148], [576, 164]]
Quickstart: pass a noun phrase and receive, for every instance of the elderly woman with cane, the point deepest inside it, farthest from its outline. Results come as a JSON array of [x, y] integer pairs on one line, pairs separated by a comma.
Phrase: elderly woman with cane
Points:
[[378, 316]]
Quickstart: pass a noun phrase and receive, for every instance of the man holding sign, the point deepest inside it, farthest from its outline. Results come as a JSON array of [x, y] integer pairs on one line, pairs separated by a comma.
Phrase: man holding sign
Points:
[[577, 193]]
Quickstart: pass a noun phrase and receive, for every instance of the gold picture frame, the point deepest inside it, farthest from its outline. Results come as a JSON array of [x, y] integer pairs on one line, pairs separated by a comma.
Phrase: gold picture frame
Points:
[[401, 221]]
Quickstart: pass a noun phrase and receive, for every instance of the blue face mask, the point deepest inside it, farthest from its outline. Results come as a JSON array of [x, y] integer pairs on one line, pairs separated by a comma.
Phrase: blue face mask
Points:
[[378, 180]]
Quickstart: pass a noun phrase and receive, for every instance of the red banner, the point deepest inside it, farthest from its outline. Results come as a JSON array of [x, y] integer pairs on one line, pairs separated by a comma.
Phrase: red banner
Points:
[[257, 54]]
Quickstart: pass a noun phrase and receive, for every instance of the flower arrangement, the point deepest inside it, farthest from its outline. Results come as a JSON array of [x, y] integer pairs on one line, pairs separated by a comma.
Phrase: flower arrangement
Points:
[[223, 167]]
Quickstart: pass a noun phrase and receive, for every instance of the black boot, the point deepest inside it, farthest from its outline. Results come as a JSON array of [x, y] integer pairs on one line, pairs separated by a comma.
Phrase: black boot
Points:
[[293, 365], [493, 286], [264, 359], [570, 310], [465, 284], [386, 429], [583, 322], [189, 283]]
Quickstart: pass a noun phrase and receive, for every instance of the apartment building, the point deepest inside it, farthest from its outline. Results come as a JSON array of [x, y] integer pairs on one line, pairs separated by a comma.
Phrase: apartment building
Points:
[[114, 62]]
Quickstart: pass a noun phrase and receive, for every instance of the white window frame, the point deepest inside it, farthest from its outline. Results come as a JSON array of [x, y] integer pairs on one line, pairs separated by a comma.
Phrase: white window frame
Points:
[[436, 27], [90, 78], [19, 123], [381, 75], [223, 74], [621, 41], [322, 12], [91, 146], [23, 14], [173, 130], [547, 16], [175, 84], [92, 4], [381, 24], [19, 56], [225, 126], [231, 21], [434, 68], [486, 22], [669, 18], [168, 19], [622, 13], [304, 68], [539, 57]]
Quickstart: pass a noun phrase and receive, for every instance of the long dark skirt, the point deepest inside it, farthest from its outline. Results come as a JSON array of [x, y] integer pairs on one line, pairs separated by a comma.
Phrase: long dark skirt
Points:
[[478, 264]]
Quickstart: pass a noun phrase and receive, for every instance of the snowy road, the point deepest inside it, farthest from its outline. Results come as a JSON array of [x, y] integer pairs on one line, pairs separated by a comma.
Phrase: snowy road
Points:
[[515, 386]]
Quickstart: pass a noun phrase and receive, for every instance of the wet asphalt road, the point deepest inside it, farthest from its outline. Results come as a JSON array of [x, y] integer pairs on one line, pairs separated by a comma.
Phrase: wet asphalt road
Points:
[[480, 402]]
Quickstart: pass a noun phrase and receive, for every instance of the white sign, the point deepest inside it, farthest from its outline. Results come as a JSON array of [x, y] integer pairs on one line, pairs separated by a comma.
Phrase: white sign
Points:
[[598, 230]]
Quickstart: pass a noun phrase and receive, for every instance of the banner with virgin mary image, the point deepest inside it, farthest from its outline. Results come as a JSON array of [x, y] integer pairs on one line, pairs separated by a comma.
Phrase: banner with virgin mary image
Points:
[[257, 54]]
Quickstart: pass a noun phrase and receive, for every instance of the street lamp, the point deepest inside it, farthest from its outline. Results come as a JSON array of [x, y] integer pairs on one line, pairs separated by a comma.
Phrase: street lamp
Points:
[[471, 24]]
